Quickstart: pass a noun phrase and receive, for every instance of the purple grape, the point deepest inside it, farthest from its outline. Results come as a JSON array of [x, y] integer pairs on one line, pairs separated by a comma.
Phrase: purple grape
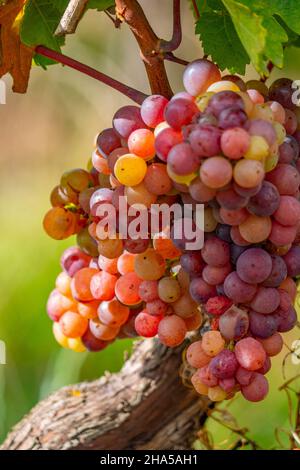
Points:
[[278, 272], [286, 320], [231, 200], [227, 384], [266, 300], [232, 117], [292, 261], [266, 367], [254, 265], [257, 389], [262, 326], [205, 140], [215, 252], [136, 246], [263, 129], [126, 120], [246, 192], [222, 101], [243, 376], [201, 291], [266, 201], [182, 159], [289, 150], [224, 365], [73, 259], [238, 290], [236, 251], [192, 262], [107, 141], [186, 235], [180, 112], [223, 232], [234, 323], [281, 91]]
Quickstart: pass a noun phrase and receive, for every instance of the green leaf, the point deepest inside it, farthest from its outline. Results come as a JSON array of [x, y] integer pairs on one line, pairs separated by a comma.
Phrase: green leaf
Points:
[[289, 11], [100, 4], [221, 42], [41, 18], [250, 29], [274, 41]]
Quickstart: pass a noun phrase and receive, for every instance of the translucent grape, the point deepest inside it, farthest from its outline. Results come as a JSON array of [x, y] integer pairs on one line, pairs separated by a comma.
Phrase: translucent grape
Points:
[[58, 304], [110, 248], [113, 313], [152, 110], [127, 289], [149, 265], [212, 343], [248, 173], [141, 143], [148, 290], [73, 259], [86, 243], [256, 229], [103, 286], [76, 179], [198, 385], [63, 284], [206, 376], [172, 331], [59, 223], [157, 180], [108, 265], [165, 141], [235, 142], [215, 252], [179, 112], [130, 170], [185, 306], [250, 354], [156, 307], [80, 284], [126, 120], [169, 289], [216, 172], [234, 323], [61, 197], [88, 310], [199, 75], [73, 325], [103, 332], [147, 325]]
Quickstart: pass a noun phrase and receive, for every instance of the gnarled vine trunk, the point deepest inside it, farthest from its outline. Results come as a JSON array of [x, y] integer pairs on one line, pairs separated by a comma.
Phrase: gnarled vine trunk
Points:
[[144, 406]]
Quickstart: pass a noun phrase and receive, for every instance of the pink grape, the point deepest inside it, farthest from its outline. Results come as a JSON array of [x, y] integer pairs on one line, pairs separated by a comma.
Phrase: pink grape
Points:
[[286, 178], [126, 120], [107, 141], [235, 142], [172, 330], [215, 252], [224, 100], [146, 325], [263, 129], [292, 261], [234, 323], [262, 326], [152, 110], [288, 211], [250, 354], [266, 201], [216, 172], [281, 235], [201, 291], [199, 75], [257, 389], [278, 272], [266, 300], [200, 192], [179, 113], [182, 159], [224, 365], [205, 140], [165, 141], [230, 200]]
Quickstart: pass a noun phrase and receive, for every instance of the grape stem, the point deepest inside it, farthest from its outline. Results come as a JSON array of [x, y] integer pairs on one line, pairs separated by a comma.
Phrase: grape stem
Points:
[[131, 13], [174, 43], [172, 58], [196, 10], [71, 17], [132, 93]]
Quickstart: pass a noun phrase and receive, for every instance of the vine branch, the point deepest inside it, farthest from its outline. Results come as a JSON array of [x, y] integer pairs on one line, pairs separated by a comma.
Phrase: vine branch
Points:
[[196, 9], [130, 12], [71, 17], [132, 93], [174, 43]]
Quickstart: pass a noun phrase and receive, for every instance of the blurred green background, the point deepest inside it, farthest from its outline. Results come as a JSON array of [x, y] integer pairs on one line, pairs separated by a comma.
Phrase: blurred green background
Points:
[[43, 133]]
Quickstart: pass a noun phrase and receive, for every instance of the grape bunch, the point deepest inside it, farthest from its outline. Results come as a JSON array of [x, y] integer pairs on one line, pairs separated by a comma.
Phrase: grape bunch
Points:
[[230, 146]]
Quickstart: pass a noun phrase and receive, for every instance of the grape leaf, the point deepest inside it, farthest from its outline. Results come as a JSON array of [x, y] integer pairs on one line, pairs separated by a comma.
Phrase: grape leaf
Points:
[[16, 58], [221, 42], [289, 11]]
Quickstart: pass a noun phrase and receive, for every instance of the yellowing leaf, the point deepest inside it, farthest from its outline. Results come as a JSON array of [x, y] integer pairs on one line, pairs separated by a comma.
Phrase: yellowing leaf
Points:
[[15, 57]]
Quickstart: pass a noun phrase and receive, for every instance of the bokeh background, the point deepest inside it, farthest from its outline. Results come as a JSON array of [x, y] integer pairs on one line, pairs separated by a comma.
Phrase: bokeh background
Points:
[[42, 134]]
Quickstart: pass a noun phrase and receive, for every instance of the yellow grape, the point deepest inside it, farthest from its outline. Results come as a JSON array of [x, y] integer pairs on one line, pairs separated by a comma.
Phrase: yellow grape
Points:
[[280, 132], [258, 148], [130, 170], [216, 393], [169, 290], [256, 229], [210, 223], [223, 85], [75, 344], [262, 111], [202, 100], [271, 162], [181, 179], [59, 336], [248, 173]]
